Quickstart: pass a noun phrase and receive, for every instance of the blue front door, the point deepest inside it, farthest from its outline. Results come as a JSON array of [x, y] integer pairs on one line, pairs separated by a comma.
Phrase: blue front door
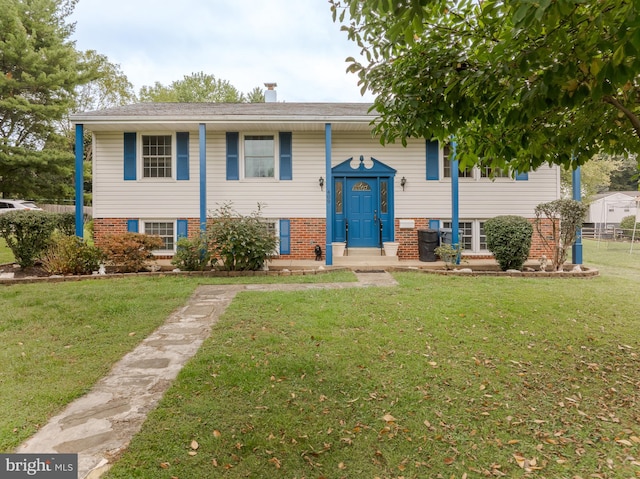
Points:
[[362, 212]]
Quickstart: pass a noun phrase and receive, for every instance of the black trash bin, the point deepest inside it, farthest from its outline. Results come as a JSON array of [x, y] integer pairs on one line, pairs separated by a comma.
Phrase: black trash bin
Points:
[[428, 241]]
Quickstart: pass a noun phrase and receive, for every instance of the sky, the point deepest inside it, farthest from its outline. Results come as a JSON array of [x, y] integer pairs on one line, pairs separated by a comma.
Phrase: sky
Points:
[[293, 43]]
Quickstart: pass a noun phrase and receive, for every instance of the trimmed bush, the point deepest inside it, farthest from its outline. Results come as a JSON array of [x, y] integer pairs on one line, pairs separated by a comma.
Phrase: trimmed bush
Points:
[[69, 254], [130, 252], [192, 254], [66, 223], [626, 225], [243, 243], [28, 233], [509, 239]]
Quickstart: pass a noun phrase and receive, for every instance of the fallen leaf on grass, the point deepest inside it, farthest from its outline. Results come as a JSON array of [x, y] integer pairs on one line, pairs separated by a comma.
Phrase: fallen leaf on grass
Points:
[[194, 445], [624, 442], [276, 462], [388, 418], [529, 465], [165, 465]]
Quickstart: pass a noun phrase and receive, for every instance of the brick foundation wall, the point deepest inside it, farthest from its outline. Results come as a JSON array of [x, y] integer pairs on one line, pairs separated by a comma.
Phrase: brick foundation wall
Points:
[[306, 233]]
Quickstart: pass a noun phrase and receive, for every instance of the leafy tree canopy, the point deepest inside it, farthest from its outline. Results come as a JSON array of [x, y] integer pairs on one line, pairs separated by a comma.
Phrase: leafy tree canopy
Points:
[[198, 87], [39, 72], [517, 83]]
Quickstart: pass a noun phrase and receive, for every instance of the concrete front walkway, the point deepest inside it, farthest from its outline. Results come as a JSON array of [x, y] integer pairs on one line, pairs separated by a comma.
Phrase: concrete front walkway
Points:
[[99, 425]]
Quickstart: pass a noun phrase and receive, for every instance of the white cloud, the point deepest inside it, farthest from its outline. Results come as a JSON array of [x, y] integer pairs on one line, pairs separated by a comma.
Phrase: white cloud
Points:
[[246, 42]]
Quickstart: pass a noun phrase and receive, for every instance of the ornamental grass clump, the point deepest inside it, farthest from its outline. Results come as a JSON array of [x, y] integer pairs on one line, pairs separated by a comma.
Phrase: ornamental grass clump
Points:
[[509, 239]]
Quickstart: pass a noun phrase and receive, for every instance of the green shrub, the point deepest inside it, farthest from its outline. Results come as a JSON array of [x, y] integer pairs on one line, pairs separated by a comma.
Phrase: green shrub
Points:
[[626, 225], [449, 254], [66, 223], [192, 254], [243, 243], [69, 254], [27, 233], [509, 239], [129, 252]]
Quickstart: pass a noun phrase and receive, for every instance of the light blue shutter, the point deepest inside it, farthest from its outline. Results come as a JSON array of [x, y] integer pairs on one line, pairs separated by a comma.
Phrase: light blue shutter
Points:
[[183, 228], [522, 176], [286, 159], [182, 155], [433, 154], [233, 147], [285, 237], [434, 224], [132, 226], [130, 156]]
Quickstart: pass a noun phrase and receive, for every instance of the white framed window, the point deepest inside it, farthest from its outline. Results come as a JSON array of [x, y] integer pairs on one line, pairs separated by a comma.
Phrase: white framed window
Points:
[[158, 154], [446, 165], [166, 230], [487, 172], [259, 156], [470, 235]]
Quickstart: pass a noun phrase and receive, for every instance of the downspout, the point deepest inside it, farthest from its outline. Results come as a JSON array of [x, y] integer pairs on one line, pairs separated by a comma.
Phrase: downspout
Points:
[[455, 201], [576, 249], [328, 191], [203, 176], [79, 180]]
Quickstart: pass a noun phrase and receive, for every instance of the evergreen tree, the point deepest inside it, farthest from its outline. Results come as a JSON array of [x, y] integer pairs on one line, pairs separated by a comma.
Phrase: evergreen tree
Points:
[[39, 72]]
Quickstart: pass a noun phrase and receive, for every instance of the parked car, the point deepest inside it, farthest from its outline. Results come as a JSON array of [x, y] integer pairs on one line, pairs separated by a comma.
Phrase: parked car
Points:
[[13, 205]]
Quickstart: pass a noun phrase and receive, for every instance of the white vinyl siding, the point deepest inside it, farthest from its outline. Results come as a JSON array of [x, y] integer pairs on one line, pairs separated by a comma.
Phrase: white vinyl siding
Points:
[[113, 197], [302, 196]]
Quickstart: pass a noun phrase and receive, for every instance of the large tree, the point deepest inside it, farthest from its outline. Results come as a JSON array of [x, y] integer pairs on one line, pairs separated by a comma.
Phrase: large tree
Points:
[[516, 83], [39, 72], [197, 87]]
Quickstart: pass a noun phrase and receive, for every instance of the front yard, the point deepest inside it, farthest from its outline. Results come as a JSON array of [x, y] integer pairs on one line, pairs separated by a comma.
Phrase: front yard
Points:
[[439, 377]]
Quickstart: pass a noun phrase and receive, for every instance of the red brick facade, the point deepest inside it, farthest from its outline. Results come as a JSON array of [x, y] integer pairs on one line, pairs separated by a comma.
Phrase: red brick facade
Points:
[[306, 233]]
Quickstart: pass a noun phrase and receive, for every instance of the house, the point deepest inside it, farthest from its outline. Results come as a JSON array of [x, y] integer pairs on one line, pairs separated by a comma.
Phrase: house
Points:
[[606, 210], [161, 168]]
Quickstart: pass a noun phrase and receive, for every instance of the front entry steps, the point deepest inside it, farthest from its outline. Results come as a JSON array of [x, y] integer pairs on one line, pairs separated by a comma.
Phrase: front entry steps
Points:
[[364, 257]]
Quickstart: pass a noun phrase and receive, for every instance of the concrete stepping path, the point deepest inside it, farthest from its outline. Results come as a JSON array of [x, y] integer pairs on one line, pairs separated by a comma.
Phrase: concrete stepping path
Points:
[[99, 425]]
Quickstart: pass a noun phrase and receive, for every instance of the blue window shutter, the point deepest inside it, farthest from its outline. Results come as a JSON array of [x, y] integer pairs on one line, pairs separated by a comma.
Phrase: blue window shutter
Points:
[[285, 237], [183, 229], [132, 226], [522, 176], [434, 224], [433, 154], [130, 156], [286, 158], [182, 155], [233, 148]]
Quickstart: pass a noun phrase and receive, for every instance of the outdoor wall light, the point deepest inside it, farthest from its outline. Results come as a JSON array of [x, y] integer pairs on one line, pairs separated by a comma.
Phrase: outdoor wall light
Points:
[[403, 182], [321, 183]]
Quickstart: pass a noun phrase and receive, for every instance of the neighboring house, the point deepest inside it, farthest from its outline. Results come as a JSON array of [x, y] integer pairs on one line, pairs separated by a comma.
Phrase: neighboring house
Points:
[[162, 168], [606, 210]]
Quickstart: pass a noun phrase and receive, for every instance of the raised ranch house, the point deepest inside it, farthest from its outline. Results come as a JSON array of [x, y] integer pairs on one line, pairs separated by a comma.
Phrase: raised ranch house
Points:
[[322, 178]]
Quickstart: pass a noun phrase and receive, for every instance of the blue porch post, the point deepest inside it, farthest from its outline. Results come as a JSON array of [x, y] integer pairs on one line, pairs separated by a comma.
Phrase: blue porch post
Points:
[[202, 133], [576, 249], [328, 191], [455, 202], [79, 180]]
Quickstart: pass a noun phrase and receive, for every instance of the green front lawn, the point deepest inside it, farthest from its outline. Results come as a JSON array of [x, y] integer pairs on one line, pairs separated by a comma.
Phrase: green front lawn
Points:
[[447, 377]]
